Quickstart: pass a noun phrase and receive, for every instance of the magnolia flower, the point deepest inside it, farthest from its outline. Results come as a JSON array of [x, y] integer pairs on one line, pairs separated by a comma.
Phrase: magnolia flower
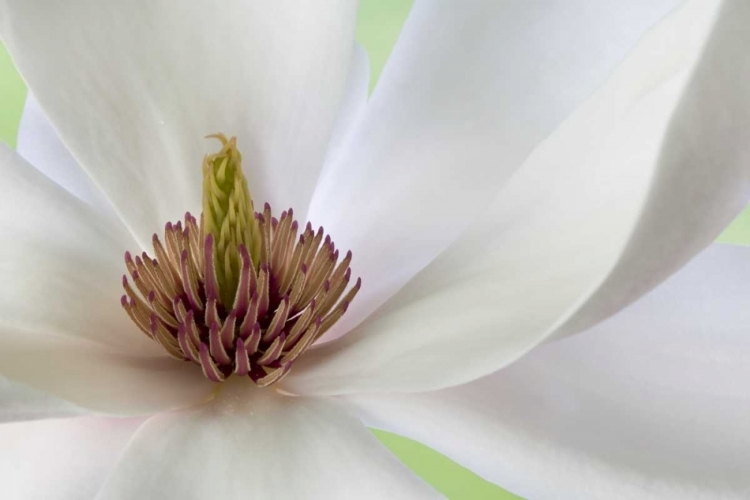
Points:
[[522, 173]]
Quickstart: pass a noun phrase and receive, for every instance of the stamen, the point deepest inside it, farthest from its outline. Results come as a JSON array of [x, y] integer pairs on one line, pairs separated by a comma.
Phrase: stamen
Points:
[[234, 291]]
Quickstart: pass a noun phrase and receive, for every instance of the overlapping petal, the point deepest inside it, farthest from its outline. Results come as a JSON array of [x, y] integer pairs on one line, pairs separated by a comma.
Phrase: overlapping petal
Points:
[[19, 402], [39, 144], [255, 443], [133, 87], [627, 190], [352, 107], [650, 404], [62, 330], [470, 89], [65, 459]]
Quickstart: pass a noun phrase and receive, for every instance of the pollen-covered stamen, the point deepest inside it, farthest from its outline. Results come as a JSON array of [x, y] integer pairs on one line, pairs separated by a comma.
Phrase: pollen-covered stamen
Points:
[[279, 291], [277, 312]]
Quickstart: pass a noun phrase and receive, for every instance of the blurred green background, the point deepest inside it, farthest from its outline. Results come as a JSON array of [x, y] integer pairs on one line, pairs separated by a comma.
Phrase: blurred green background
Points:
[[380, 22]]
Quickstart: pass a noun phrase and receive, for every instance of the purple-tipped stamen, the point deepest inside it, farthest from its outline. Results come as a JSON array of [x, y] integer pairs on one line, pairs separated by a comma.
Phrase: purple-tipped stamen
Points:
[[296, 291]]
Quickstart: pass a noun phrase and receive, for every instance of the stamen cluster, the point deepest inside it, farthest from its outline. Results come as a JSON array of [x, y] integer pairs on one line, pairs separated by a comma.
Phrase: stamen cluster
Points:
[[284, 300]]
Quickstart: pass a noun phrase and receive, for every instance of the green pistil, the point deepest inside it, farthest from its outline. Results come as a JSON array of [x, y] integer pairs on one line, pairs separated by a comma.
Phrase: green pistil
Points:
[[229, 215]]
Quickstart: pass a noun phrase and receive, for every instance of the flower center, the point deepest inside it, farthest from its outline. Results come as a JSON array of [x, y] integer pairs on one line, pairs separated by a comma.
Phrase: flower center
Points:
[[237, 291]]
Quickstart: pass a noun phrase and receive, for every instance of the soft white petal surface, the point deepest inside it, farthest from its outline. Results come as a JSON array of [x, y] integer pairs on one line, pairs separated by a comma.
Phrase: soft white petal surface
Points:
[[352, 107], [650, 404], [638, 180], [470, 89], [255, 443], [40, 145], [66, 459], [62, 329], [19, 402], [132, 88]]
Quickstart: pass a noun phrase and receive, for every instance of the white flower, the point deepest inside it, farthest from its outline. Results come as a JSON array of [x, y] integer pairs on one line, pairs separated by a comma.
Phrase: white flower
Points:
[[523, 171]]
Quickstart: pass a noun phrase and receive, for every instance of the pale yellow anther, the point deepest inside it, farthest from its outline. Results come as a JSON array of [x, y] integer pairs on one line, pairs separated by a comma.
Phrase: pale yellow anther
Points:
[[229, 215]]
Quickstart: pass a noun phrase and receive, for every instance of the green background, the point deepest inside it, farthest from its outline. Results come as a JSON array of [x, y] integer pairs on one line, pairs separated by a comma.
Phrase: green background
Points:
[[379, 24]]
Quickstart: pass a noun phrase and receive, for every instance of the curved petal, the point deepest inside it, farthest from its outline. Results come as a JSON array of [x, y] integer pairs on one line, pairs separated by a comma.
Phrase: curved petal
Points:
[[637, 181], [352, 107], [65, 459], [19, 402], [254, 443], [39, 144], [133, 87], [454, 116], [62, 329], [652, 403]]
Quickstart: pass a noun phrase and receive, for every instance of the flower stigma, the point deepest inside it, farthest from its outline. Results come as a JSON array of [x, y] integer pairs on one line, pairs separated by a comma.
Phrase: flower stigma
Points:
[[237, 291]]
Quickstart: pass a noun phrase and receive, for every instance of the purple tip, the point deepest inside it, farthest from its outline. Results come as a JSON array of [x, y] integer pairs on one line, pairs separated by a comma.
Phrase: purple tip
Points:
[[128, 257], [349, 254], [344, 307], [168, 226], [290, 212], [124, 300], [303, 268], [283, 215], [244, 255], [308, 227], [295, 226], [326, 285], [348, 274], [267, 206], [151, 296], [359, 282], [274, 221], [327, 241], [124, 280]]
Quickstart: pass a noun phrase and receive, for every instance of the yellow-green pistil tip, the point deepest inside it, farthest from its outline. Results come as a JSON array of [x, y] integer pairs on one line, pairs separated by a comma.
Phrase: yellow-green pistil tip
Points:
[[229, 215]]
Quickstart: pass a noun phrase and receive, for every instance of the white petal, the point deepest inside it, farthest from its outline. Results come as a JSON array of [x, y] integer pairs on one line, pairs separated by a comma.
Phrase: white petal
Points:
[[637, 181], [19, 402], [454, 116], [133, 87], [62, 329], [255, 443], [651, 404], [65, 459], [354, 104], [39, 144]]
